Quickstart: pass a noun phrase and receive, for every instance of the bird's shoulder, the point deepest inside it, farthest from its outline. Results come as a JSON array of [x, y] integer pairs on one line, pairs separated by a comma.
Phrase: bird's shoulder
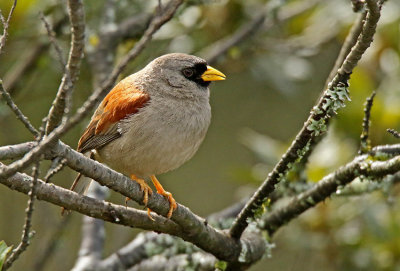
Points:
[[123, 100]]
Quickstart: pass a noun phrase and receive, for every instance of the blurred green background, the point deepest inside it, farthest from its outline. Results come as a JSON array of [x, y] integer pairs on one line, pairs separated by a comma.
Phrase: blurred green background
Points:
[[273, 80]]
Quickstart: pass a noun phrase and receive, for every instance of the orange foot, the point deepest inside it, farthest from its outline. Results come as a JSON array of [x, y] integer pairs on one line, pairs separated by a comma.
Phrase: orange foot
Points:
[[146, 192], [168, 195]]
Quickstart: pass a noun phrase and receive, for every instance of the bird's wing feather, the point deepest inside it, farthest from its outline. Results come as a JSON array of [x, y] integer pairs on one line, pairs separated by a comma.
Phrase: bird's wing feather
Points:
[[122, 101]]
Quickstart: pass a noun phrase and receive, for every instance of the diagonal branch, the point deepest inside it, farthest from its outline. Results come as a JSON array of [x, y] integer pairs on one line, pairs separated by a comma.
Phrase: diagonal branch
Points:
[[18, 113], [332, 99], [361, 165], [193, 229]]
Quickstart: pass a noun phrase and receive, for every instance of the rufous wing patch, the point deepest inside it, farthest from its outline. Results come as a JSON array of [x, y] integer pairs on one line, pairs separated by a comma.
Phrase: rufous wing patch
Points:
[[123, 100]]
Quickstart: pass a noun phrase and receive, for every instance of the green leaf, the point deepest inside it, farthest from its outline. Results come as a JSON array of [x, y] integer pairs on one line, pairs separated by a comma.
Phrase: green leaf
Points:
[[4, 250], [221, 265]]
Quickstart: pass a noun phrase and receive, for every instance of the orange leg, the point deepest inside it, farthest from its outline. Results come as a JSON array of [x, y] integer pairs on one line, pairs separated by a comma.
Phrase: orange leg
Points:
[[168, 195]]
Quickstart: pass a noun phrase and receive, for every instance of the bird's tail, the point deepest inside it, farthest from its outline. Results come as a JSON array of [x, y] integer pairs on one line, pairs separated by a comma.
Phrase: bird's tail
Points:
[[80, 185]]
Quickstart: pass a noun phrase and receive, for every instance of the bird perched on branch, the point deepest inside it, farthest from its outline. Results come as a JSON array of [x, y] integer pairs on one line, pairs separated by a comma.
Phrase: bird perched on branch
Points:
[[152, 121]]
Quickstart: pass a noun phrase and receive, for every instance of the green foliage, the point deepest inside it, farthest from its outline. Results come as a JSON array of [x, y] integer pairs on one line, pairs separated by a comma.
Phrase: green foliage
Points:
[[4, 250], [221, 265]]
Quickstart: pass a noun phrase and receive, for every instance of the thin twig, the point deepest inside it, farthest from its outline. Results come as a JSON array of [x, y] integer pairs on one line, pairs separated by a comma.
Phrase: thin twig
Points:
[[364, 141], [18, 113], [52, 37], [56, 166], [61, 104], [394, 133], [27, 234], [28, 59], [315, 124], [6, 25]]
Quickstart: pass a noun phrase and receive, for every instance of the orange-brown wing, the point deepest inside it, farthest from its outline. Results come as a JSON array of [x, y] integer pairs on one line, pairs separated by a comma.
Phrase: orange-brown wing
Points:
[[123, 100]]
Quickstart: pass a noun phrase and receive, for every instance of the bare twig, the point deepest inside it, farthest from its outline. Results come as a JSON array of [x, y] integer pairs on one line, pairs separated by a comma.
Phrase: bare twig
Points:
[[326, 187], [349, 42], [28, 59], [56, 166], [386, 149], [315, 125], [6, 25], [18, 113], [53, 41], [60, 104], [27, 234], [364, 142], [394, 133]]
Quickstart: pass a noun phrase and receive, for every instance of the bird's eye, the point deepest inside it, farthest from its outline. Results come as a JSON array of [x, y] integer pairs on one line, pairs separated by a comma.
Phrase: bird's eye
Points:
[[188, 72]]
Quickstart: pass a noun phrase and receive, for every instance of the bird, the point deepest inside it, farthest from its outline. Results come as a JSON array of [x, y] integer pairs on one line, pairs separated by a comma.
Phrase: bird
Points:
[[151, 122]]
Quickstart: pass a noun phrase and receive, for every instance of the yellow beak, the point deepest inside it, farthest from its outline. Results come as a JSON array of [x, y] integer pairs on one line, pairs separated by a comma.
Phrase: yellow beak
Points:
[[212, 74]]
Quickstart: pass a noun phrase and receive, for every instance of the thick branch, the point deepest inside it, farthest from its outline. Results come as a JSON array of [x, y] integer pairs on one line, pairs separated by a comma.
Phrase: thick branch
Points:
[[193, 228], [92, 207], [315, 124], [16, 151], [199, 232], [93, 235], [326, 187], [198, 260]]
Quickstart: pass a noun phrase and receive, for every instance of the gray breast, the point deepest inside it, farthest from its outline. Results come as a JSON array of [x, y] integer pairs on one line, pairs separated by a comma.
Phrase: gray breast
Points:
[[159, 138]]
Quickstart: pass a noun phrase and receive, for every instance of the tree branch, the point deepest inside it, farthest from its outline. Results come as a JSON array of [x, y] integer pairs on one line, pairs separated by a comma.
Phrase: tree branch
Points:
[[59, 108], [364, 142], [93, 235], [26, 232], [192, 228], [361, 165], [18, 113], [332, 99], [157, 22], [196, 261], [16, 151], [6, 25]]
